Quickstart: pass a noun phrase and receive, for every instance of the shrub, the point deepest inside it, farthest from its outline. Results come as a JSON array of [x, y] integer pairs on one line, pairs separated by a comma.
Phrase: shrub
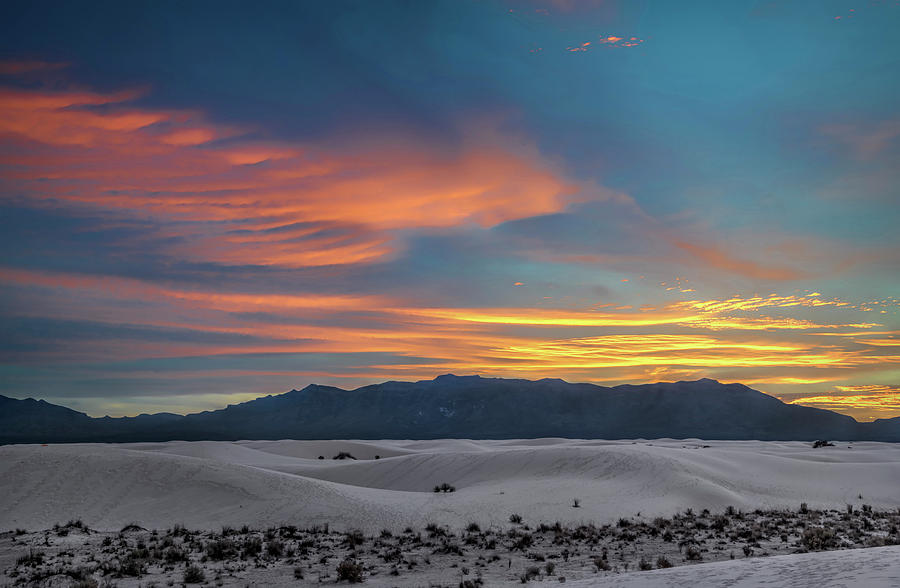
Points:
[[193, 575], [692, 553], [354, 538], [343, 455], [298, 573], [602, 564], [662, 562], [275, 548], [818, 538], [576, 503], [32, 558], [473, 528], [515, 518], [550, 568], [644, 565], [252, 546], [822, 443], [131, 566], [174, 554], [350, 570], [530, 574], [804, 508], [220, 549], [522, 542]]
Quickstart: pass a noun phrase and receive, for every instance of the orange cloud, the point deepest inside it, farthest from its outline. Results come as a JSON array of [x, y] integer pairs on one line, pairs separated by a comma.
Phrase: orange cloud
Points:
[[868, 401], [719, 259], [526, 342], [12, 68], [158, 163]]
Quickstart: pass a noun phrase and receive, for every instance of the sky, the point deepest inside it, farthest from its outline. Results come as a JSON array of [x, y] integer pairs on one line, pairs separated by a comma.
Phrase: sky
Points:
[[206, 202]]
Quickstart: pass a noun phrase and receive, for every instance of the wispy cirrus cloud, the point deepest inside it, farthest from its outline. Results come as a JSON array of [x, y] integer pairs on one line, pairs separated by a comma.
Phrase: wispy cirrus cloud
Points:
[[234, 200]]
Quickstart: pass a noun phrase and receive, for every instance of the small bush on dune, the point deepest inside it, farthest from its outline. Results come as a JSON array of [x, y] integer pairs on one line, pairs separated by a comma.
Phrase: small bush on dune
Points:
[[32, 558], [220, 549], [818, 538], [354, 538], [662, 562], [131, 566], [343, 455], [530, 574], [194, 575], [515, 518], [692, 553], [174, 555], [350, 570], [444, 487], [275, 548]]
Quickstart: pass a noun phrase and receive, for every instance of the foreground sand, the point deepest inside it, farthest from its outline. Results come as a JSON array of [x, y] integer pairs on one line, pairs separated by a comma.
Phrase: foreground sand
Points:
[[205, 485], [877, 567]]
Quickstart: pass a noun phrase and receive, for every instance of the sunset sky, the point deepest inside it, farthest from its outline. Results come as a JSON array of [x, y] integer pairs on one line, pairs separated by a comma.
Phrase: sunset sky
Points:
[[205, 202]]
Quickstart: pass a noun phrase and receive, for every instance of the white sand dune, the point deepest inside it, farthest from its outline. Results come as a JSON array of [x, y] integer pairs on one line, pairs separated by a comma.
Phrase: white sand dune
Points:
[[877, 567], [209, 484]]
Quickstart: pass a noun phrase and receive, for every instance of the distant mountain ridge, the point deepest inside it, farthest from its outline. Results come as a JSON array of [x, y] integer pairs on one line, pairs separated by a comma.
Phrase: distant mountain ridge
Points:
[[463, 407]]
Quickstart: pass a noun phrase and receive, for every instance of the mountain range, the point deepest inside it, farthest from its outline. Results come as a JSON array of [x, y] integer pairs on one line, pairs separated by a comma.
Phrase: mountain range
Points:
[[463, 407]]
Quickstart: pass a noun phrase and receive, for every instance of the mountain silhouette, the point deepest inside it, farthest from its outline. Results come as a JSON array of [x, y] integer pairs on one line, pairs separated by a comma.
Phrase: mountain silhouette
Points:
[[463, 407]]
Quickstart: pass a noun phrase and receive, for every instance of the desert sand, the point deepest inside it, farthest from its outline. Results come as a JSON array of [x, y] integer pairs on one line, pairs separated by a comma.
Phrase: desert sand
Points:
[[876, 567], [206, 486]]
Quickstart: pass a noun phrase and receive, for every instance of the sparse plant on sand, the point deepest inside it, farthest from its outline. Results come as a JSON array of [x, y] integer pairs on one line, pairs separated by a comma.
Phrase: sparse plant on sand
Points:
[[818, 538], [350, 570], [194, 575], [343, 455], [530, 574], [515, 519], [444, 487]]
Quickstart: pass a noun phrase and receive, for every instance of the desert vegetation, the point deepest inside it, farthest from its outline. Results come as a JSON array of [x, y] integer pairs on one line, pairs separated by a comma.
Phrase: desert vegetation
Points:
[[517, 552]]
